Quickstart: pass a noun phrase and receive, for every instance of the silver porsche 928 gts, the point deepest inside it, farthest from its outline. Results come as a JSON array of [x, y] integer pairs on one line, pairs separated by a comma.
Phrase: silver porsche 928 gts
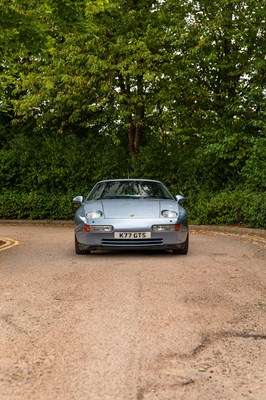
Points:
[[130, 214]]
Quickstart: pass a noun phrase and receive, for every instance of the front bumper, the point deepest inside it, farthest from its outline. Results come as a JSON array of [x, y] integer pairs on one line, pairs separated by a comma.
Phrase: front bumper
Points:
[[105, 240]]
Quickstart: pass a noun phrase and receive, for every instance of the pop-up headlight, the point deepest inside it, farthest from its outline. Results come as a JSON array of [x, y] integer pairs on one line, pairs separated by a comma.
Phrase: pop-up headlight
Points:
[[94, 214], [168, 214]]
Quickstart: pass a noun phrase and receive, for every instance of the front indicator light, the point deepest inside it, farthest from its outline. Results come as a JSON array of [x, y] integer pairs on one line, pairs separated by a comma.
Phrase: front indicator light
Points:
[[166, 228], [86, 228], [98, 228]]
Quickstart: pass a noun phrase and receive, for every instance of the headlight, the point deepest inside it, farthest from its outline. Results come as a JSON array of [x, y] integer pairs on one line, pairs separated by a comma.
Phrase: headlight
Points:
[[94, 214], [169, 214], [166, 228]]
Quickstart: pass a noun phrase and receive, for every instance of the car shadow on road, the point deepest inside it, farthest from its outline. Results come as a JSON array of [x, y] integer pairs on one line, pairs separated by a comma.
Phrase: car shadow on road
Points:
[[130, 253]]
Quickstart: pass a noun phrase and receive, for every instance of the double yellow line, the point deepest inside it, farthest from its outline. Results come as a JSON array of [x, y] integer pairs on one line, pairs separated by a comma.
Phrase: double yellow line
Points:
[[7, 243]]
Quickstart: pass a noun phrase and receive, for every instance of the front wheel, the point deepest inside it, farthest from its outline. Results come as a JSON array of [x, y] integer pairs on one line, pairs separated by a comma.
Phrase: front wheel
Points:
[[78, 249], [184, 249]]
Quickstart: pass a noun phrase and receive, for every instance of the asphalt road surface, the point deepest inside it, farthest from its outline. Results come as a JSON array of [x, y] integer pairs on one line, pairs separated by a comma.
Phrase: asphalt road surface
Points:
[[131, 325]]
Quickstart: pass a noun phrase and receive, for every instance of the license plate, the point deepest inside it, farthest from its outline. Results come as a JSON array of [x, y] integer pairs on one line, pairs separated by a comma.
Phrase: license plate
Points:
[[132, 235]]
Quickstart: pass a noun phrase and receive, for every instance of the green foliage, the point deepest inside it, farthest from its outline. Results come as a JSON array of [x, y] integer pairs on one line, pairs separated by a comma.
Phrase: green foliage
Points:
[[175, 91], [36, 205], [254, 210], [58, 164], [254, 170], [239, 207]]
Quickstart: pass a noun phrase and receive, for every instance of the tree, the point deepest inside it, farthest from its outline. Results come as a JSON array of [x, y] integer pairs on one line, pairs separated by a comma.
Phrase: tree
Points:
[[187, 74], [113, 76], [227, 56]]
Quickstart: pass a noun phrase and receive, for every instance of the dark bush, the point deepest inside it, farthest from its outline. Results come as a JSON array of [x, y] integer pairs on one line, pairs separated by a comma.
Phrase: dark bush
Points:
[[35, 205], [239, 207]]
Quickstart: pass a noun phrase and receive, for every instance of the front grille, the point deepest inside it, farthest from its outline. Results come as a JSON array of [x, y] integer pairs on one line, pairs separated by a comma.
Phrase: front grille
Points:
[[132, 242]]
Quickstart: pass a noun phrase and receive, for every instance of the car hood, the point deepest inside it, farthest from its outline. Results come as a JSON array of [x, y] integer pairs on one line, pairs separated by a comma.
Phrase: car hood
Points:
[[131, 208]]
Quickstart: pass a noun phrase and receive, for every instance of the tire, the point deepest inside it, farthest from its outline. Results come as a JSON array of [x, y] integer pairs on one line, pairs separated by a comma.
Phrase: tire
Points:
[[184, 249], [78, 249]]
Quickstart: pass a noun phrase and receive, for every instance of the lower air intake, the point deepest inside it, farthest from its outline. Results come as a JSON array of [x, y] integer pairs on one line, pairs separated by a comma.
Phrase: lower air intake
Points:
[[132, 243]]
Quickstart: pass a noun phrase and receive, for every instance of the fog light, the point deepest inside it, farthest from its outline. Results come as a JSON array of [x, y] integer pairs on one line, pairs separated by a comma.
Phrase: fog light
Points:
[[101, 228], [166, 228]]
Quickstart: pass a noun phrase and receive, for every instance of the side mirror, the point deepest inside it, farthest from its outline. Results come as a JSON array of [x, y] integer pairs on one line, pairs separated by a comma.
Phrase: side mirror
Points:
[[179, 198], [78, 199]]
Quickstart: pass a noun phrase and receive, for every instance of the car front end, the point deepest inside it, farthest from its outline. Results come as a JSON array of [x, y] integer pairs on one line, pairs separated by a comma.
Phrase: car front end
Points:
[[131, 224]]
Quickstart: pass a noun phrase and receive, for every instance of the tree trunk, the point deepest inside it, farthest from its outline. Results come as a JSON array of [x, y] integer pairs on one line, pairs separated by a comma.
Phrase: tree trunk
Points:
[[131, 132], [134, 121]]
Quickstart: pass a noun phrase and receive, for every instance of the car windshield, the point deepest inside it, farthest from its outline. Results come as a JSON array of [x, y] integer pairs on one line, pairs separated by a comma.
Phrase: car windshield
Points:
[[129, 189]]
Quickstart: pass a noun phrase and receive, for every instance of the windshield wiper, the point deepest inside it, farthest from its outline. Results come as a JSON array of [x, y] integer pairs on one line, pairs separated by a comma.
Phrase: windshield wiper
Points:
[[111, 197], [119, 197]]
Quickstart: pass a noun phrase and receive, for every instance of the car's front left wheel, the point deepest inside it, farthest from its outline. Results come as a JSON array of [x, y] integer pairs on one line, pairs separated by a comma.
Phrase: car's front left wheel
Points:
[[184, 249], [78, 249]]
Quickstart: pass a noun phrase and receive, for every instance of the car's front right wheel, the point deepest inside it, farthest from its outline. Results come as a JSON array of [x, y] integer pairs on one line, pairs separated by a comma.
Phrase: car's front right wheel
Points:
[[78, 249]]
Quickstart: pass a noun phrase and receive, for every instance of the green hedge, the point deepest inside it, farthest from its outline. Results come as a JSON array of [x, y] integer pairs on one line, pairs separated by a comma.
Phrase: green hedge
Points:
[[36, 206], [240, 207]]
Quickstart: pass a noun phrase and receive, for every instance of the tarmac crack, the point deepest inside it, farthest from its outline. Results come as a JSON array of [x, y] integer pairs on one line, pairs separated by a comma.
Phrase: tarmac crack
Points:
[[167, 375], [156, 389]]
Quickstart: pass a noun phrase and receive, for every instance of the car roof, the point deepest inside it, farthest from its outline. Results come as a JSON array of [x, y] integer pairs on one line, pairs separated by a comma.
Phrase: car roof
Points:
[[129, 180]]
